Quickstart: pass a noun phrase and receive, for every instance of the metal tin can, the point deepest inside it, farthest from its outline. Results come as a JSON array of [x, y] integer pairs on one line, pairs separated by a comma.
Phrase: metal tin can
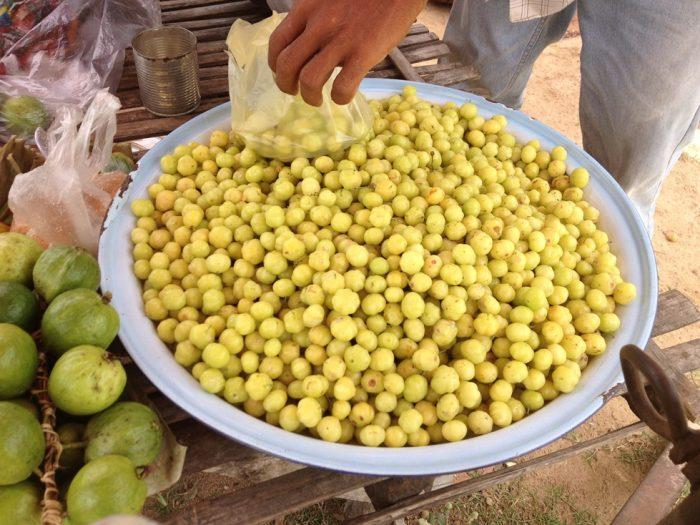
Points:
[[167, 70]]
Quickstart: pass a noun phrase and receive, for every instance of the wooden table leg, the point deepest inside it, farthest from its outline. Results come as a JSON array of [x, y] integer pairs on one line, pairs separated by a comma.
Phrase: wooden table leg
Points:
[[656, 494], [393, 490]]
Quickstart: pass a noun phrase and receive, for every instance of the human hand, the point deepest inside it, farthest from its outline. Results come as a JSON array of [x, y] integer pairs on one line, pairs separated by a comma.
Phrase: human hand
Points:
[[319, 35]]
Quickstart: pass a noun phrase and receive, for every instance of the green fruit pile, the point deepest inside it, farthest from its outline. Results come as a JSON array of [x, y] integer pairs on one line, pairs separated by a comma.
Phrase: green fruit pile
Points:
[[437, 281], [77, 327]]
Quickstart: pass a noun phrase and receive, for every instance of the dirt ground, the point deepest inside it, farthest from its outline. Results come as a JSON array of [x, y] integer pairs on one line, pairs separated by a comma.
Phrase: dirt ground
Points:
[[589, 489]]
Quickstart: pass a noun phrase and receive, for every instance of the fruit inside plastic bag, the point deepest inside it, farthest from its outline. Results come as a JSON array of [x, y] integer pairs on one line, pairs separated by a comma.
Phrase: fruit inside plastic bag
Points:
[[24, 114], [64, 201], [277, 125]]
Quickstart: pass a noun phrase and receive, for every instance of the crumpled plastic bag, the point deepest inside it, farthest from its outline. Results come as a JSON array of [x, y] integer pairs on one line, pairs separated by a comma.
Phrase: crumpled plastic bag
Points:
[[277, 125], [65, 200], [71, 53]]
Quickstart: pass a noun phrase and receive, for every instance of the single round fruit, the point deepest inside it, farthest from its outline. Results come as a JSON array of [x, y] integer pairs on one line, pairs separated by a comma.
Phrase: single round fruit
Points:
[[21, 443], [71, 434], [63, 268], [18, 253], [105, 486], [78, 317], [20, 504], [18, 305], [128, 429], [119, 162], [24, 114], [86, 380], [19, 360], [26, 404]]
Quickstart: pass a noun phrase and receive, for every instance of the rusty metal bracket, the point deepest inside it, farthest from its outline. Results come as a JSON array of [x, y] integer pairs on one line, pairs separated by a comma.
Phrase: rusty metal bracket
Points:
[[653, 398]]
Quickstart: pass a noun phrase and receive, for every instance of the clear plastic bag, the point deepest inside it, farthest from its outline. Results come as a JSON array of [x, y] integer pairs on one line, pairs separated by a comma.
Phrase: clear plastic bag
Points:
[[277, 125], [64, 201], [75, 50]]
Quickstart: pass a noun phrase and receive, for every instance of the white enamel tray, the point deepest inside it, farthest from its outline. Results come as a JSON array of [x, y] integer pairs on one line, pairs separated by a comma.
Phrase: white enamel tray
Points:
[[629, 240]]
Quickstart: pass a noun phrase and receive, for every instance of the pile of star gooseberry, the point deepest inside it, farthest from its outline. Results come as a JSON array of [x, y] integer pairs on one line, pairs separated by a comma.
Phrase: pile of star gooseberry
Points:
[[439, 280]]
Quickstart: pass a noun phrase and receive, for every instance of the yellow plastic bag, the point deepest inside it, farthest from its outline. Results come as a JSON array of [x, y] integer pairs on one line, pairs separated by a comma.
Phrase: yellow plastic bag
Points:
[[277, 125]]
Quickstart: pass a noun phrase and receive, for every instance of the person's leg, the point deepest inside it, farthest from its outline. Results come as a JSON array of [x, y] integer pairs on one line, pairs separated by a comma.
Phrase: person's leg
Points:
[[640, 89], [480, 34]]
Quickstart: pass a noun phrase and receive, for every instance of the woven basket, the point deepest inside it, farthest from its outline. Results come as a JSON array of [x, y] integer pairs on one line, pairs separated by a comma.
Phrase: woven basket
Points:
[[15, 157]]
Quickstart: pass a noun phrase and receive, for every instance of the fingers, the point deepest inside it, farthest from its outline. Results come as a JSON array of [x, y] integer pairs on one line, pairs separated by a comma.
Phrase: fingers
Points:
[[316, 73], [290, 28], [292, 59], [348, 81]]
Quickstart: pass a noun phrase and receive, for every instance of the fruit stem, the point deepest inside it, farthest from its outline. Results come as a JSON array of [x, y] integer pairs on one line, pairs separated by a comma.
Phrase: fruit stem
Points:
[[107, 298], [38, 473]]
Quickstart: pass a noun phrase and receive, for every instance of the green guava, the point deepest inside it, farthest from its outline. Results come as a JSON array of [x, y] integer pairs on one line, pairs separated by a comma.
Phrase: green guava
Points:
[[18, 305], [71, 434], [106, 486], [20, 504], [86, 380], [128, 429], [78, 317], [19, 360], [21, 443], [119, 162], [24, 114], [26, 404], [18, 253], [63, 268]]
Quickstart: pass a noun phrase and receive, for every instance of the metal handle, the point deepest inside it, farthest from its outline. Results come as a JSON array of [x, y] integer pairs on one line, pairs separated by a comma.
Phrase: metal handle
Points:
[[642, 371]]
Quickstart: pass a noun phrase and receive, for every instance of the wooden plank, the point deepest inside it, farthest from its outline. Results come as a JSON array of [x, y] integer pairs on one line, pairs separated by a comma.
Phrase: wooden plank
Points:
[[128, 120], [227, 9], [655, 495], [422, 70], [687, 390], [416, 29], [129, 82], [170, 412], [472, 485], [275, 497], [403, 65], [418, 39], [209, 88], [207, 449], [220, 33], [674, 311], [206, 23], [419, 54], [390, 491], [452, 76], [167, 5], [213, 59], [685, 356]]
